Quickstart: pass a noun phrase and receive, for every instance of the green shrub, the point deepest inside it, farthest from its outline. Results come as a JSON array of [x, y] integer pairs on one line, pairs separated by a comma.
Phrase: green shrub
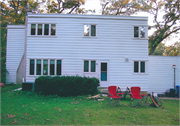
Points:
[[66, 85]]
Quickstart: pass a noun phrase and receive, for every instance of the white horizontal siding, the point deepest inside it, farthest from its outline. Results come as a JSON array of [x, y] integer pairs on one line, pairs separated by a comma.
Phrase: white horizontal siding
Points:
[[161, 73], [15, 50], [114, 42]]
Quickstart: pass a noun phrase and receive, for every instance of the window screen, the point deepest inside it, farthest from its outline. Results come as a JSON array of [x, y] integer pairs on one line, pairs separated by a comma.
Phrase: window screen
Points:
[[142, 67], [53, 29], [33, 29], [52, 67], [136, 31], [38, 67], [136, 66], [39, 29], [93, 30], [58, 67], [86, 66], [46, 29], [45, 67], [93, 66], [31, 67]]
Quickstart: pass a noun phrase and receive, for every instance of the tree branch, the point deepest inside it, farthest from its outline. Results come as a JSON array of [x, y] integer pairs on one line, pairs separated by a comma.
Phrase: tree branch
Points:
[[104, 7]]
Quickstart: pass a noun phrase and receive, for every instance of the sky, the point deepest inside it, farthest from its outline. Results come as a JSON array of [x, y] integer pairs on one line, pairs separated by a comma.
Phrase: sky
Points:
[[95, 5]]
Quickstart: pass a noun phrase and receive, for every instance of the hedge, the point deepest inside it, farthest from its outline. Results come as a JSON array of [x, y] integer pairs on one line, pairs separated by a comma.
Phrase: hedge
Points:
[[66, 85]]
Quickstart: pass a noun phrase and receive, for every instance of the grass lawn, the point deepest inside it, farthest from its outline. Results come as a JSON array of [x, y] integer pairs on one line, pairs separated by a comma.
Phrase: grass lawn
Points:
[[27, 108]]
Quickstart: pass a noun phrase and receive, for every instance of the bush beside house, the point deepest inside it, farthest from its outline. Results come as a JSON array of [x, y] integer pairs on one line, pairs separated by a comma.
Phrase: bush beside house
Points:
[[66, 85]]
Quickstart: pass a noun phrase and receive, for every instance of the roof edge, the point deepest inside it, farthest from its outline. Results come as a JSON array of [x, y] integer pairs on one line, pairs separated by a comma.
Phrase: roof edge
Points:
[[15, 26], [32, 15]]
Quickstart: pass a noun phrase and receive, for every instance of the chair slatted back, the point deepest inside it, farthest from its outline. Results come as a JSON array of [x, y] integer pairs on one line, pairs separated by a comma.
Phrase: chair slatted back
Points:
[[135, 91]]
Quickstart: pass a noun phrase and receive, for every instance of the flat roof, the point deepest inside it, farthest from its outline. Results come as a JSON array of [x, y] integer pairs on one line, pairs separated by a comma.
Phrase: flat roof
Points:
[[15, 26], [111, 17]]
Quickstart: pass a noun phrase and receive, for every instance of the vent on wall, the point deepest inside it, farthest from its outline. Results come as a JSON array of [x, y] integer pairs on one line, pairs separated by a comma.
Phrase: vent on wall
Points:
[[126, 59]]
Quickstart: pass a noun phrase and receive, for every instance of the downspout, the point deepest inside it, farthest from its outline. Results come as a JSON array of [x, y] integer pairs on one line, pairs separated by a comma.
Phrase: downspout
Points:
[[25, 45]]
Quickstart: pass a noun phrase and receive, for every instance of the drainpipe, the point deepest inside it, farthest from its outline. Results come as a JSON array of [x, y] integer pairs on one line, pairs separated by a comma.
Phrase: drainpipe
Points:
[[174, 67]]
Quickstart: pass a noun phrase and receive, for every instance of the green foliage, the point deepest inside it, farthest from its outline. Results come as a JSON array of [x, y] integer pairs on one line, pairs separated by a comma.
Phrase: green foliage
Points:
[[172, 50], [66, 85]]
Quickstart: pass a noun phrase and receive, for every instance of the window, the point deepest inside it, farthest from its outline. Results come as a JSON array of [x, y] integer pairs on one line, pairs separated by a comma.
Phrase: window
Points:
[[38, 67], [43, 29], [45, 67], [89, 30], [46, 29], [58, 67], [139, 66], [39, 29], [139, 31], [33, 29], [31, 67], [51, 67], [53, 29], [89, 66]]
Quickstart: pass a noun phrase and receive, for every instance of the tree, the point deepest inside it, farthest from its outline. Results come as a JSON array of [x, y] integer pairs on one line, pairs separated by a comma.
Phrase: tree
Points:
[[163, 28], [60, 6], [172, 50], [12, 12], [119, 7]]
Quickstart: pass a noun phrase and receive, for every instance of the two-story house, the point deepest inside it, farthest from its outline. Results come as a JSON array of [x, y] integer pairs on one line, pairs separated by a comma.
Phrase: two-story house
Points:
[[113, 49]]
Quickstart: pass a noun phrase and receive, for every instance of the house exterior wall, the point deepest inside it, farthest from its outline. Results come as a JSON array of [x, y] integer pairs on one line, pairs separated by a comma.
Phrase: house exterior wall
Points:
[[161, 73], [15, 50], [113, 44]]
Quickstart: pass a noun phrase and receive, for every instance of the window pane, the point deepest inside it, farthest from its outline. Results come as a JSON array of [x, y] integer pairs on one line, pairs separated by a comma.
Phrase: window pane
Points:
[[31, 67], [33, 29], [103, 66], [136, 32], [38, 67], [93, 66], [86, 66], [58, 67], [45, 67], [136, 66], [142, 67], [46, 29], [51, 67], [53, 29], [142, 32], [93, 30], [39, 29], [86, 30]]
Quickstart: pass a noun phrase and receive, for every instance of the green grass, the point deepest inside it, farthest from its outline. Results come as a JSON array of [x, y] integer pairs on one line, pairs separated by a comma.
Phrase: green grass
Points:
[[28, 108]]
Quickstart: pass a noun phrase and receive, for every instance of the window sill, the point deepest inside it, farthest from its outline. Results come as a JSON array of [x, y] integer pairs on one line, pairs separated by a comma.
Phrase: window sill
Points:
[[42, 75], [140, 74], [89, 37], [89, 72], [42, 36], [140, 38]]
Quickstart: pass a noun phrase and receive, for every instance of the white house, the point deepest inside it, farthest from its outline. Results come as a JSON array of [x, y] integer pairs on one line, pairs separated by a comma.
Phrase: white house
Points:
[[113, 49]]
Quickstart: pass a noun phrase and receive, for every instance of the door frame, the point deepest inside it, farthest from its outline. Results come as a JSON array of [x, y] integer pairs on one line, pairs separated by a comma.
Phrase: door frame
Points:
[[104, 83]]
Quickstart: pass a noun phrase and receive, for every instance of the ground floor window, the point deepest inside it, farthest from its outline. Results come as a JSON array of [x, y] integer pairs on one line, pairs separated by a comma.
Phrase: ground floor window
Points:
[[45, 67], [139, 66], [89, 66]]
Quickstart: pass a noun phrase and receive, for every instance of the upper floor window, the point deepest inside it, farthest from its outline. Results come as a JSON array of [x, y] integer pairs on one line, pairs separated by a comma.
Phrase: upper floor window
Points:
[[139, 32], [43, 29], [89, 66], [139, 66], [89, 30]]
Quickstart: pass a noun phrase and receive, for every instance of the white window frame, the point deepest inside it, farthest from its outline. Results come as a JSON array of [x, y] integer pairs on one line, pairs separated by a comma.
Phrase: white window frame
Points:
[[139, 66], [90, 31], [146, 32], [43, 25], [35, 61], [89, 65]]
